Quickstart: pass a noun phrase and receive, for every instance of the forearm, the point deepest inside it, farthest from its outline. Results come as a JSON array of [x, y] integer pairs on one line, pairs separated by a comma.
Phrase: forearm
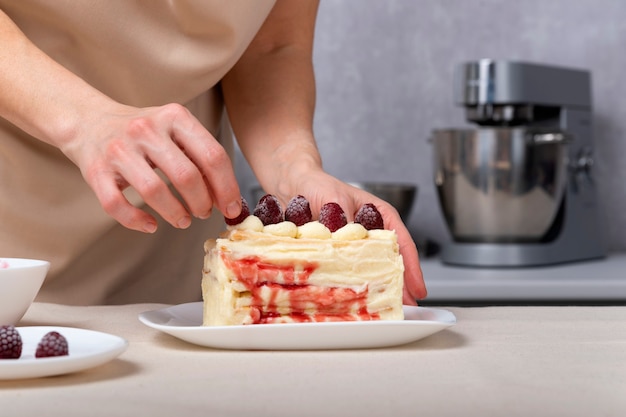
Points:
[[38, 95], [270, 97], [116, 146]]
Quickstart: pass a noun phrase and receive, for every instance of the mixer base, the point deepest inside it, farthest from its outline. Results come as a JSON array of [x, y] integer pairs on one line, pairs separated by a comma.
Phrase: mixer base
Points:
[[519, 254]]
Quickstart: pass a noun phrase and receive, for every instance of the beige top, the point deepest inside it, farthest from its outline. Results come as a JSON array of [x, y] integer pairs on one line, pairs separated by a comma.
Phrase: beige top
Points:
[[141, 53]]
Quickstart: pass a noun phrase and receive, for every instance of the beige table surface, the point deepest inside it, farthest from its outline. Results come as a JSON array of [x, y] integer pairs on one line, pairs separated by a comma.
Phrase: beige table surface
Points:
[[496, 361]]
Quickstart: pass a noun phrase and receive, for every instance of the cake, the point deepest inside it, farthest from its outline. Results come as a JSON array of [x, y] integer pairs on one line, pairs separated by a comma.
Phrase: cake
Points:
[[275, 267]]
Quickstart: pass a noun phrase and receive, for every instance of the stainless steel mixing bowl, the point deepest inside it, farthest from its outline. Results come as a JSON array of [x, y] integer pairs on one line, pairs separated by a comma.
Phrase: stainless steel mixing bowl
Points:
[[499, 184], [400, 195]]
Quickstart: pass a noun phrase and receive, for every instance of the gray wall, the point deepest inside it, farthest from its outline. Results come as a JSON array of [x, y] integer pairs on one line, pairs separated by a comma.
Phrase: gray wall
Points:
[[384, 71]]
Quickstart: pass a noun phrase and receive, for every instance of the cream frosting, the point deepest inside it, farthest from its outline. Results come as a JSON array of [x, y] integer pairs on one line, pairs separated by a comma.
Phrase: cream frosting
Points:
[[269, 274], [313, 230], [284, 229]]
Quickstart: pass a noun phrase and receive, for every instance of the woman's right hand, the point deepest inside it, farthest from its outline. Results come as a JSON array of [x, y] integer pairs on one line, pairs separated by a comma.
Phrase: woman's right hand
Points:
[[116, 146], [123, 148]]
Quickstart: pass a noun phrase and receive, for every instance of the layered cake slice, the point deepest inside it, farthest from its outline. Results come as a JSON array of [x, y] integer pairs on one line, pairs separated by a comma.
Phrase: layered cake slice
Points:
[[299, 270]]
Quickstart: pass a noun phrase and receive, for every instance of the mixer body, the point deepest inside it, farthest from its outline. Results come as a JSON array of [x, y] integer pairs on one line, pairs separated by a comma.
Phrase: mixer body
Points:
[[519, 190]]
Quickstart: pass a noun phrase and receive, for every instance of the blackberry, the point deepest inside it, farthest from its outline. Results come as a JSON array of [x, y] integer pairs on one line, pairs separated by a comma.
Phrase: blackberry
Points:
[[10, 343], [52, 344]]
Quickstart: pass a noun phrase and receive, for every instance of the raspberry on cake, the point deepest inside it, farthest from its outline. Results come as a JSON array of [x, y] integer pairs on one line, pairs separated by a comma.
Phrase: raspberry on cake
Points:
[[258, 273], [269, 210], [298, 211], [245, 212]]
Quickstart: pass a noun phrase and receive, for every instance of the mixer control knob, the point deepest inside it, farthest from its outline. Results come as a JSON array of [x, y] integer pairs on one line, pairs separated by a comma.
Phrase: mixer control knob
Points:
[[580, 170], [584, 161]]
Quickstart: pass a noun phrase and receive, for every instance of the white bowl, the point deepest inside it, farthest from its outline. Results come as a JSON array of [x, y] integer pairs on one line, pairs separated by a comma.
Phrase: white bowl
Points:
[[20, 281]]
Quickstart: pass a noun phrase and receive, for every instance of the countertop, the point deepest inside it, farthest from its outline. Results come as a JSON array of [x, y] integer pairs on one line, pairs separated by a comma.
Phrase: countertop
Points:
[[597, 281], [496, 361]]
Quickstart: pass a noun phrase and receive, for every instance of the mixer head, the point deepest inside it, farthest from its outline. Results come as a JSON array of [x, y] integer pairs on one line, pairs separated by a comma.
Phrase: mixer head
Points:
[[508, 93]]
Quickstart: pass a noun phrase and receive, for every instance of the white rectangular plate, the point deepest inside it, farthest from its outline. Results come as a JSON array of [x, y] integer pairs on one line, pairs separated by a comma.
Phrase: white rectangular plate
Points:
[[184, 321]]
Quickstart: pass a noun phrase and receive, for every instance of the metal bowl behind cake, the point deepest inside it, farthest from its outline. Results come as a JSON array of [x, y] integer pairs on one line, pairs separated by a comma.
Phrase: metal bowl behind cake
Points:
[[400, 195]]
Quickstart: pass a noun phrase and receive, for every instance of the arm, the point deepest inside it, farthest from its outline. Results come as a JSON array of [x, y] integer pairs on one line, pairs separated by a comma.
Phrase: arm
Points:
[[115, 146], [270, 97]]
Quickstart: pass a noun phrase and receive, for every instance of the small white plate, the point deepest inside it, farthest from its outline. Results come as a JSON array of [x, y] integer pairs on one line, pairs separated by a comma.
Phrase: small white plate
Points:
[[87, 349], [184, 321]]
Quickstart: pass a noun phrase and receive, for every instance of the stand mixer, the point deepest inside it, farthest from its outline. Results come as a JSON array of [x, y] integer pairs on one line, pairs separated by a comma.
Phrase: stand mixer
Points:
[[519, 190]]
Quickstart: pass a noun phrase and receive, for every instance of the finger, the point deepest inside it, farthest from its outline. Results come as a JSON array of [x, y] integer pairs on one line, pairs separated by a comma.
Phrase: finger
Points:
[[414, 285], [407, 298], [337, 192], [186, 178], [155, 192], [213, 163], [115, 204], [220, 177], [413, 277]]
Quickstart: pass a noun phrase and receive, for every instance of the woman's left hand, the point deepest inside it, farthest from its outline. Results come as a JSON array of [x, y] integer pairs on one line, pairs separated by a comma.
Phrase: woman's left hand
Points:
[[320, 188]]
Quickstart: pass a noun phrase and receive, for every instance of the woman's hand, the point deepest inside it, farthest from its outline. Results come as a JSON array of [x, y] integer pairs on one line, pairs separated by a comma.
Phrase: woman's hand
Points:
[[116, 146], [270, 97], [122, 148], [320, 188]]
